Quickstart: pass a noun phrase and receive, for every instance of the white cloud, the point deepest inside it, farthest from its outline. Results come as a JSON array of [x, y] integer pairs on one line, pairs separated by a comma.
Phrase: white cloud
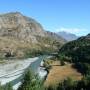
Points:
[[77, 31]]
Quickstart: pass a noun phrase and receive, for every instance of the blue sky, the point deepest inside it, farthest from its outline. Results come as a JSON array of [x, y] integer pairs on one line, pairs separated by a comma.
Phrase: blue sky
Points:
[[54, 15]]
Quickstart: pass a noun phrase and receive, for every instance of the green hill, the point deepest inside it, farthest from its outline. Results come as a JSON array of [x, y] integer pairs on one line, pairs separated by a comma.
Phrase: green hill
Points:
[[78, 50]]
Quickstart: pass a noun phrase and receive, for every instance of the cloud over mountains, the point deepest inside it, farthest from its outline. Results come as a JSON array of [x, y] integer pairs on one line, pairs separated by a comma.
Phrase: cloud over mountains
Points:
[[77, 31]]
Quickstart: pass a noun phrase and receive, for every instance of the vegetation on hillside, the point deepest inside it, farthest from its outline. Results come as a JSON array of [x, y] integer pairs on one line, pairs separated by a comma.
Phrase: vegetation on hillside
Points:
[[76, 51]]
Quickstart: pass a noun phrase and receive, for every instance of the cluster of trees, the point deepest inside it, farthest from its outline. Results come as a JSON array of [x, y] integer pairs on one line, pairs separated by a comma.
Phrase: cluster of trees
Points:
[[76, 51], [32, 53], [31, 82], [39, 51], [69, 84], [84, 68]]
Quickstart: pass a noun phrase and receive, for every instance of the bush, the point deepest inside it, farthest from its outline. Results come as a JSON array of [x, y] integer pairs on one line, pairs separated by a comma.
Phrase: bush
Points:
[[31, 82], [62, 62]]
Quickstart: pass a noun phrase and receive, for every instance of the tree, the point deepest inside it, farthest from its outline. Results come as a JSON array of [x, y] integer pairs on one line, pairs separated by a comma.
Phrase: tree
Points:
[[31, 82], [68, 83], [8, 86], [26, 80], [1, 88], [62, 62]]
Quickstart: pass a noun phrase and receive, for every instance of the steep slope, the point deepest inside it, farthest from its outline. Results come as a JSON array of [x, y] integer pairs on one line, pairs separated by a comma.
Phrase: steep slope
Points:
[[18, 26], [20, 36], [67, 36], [78, 50]]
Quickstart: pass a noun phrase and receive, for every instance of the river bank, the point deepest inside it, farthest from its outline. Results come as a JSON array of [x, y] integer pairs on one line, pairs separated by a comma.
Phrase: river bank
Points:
[[13, 69]]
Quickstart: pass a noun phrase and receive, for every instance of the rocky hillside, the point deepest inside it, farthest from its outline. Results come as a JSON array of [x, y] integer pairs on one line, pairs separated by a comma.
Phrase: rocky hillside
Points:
[[21, 36]]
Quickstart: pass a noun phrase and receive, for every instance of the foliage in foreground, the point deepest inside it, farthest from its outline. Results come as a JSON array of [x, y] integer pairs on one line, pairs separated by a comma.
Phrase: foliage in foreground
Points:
[[69, 84], [31, 82]]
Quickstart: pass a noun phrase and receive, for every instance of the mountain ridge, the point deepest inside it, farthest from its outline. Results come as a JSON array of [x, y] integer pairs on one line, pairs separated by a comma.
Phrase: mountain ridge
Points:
[[67, 36], [21, 35]]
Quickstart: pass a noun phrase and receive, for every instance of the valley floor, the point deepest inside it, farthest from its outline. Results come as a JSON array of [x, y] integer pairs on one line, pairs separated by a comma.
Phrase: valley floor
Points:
[[59, 73]]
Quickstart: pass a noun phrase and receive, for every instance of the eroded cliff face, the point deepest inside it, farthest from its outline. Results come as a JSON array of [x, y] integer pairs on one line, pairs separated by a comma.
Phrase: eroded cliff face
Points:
[[19, 34]]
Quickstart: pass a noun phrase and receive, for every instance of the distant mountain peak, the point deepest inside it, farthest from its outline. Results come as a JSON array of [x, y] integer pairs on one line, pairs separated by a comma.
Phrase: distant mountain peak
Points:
[[68, 36], [88, 35]]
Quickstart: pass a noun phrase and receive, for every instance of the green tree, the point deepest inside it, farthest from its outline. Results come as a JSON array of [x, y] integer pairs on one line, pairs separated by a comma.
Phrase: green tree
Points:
[[31, 82], [62, 62], [8, 86], [1, 88]]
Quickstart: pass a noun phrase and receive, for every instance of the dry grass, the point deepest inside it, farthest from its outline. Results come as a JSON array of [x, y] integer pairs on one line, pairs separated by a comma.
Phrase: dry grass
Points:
[[19, 47], [59, 73]]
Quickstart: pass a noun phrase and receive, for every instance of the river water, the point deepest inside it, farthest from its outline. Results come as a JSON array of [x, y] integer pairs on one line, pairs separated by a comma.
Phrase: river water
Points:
[[35, 67]]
